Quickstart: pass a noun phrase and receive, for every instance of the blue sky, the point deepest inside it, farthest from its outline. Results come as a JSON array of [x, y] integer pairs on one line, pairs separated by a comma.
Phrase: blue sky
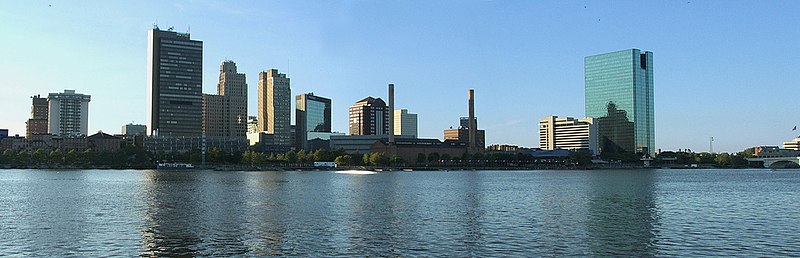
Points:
[[727, 69]]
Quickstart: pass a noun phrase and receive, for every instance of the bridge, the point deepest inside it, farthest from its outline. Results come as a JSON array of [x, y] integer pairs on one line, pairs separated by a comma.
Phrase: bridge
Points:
[[778, 162]]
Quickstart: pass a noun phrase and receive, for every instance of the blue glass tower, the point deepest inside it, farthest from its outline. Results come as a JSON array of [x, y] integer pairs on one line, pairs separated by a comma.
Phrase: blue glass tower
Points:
[[619, 94]]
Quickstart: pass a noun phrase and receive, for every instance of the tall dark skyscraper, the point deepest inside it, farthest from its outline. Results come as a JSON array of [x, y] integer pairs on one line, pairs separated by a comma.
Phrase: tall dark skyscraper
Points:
[[619, 94], [369, 116], [312, 114], [175, 83]]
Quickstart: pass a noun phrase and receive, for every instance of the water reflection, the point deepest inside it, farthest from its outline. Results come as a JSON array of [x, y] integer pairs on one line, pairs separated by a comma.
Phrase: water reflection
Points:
[[622, 213], [171, 221]]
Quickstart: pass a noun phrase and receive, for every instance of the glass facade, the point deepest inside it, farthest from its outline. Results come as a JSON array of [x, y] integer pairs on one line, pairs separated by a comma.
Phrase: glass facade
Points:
[[619, 93], [312, 114]]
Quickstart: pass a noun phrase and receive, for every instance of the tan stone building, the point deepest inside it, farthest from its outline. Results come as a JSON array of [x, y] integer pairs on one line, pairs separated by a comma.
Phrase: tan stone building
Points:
[[37, 124], [225, 114], [275, 106]]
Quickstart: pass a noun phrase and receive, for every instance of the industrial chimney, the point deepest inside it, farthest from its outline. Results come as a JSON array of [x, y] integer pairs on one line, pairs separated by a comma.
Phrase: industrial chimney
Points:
[[472, 125], [391, 113]]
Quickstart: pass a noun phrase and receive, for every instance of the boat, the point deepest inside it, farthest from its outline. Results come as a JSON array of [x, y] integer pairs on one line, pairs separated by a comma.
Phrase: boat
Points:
[[174, 166]]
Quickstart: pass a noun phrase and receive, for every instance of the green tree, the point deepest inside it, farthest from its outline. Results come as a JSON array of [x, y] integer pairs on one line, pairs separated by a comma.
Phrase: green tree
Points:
[[421, 158], [301, 156], [581, 157], [366, 159], [396, 161], [9, 157], [432, 157], [379, 159], [291, 157], [344, 160], [38, 157], [56, 157]]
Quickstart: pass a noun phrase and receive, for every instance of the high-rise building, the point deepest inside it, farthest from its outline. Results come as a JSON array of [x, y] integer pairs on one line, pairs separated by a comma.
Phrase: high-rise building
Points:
[[567, 133], [369, 116], [405, 124], [37, 124], [68, 114], [619, 95], [275, 106], [174, 84], [312, 114], [225, 114]]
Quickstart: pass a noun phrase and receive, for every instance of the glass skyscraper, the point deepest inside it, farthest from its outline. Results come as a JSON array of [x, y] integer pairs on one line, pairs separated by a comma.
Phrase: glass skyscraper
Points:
[[312, 114], [619, 95]]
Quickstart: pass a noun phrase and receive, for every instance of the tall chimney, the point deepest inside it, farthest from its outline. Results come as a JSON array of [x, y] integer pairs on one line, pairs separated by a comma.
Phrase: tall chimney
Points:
[[472, 125], [391, 113]]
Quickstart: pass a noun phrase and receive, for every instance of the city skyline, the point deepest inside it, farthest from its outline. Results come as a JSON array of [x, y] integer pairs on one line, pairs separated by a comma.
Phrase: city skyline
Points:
[[693, 78]]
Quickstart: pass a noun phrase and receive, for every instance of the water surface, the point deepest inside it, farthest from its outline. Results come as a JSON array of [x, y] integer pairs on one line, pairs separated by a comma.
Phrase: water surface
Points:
[[460, 213]]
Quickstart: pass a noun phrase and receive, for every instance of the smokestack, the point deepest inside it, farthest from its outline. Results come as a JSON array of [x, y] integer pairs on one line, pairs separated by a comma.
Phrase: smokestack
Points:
[[472, 125], [391, 113]]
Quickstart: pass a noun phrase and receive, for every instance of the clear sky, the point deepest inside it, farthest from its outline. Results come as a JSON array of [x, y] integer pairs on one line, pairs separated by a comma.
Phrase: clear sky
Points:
[[727, 69]]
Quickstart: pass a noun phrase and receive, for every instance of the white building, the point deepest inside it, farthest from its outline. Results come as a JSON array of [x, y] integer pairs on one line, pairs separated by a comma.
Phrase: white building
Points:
[[568, 133], [68, 114], [405, 124], [792, 145]]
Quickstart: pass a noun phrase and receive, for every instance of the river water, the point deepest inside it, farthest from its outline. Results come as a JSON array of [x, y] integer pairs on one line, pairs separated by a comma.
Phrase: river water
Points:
[[457, 213]]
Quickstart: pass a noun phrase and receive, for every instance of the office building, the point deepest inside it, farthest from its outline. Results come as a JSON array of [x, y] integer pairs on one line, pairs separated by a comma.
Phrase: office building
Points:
[[462, 135], [252, 124], [619, 96], [274, 106], [568, 133], [369, 116], [133, 130], [225, 114], [68, 114], [37, 124], [405, 124], [3, 133], [174, 84], [312, 114]]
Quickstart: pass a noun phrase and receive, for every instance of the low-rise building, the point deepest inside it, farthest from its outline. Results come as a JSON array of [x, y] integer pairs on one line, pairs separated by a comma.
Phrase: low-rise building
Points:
[[134, 129], [462, 135], [502, 147], [157, 144], [775, 152], [409, 148]]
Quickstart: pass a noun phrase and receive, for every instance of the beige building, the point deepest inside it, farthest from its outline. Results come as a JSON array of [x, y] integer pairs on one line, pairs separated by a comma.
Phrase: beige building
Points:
[[568, 133], [792, 145], [275, 106], [405, 124], [225, 114], [462, 135]]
